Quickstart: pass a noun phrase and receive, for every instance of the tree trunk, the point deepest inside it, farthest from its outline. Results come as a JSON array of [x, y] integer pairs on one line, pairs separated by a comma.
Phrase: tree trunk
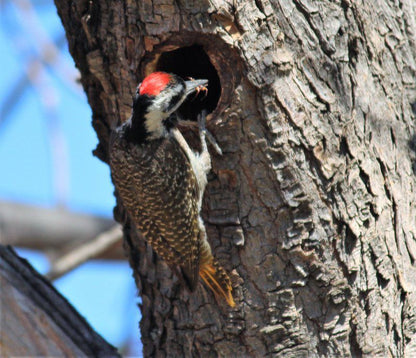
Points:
[[36, 321], [312, 205]]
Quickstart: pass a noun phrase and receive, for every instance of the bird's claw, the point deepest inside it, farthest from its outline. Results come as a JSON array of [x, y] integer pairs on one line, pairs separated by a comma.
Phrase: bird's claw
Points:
[[201, 124], [213, 142], [205, 133]]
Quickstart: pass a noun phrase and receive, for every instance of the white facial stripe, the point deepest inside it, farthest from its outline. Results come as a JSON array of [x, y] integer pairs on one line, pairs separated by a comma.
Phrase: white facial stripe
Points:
[[161, 100], [154, 125], [156, 114]]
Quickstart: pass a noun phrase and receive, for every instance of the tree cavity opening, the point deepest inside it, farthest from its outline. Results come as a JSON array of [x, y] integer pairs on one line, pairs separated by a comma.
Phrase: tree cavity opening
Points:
[[193, 61]]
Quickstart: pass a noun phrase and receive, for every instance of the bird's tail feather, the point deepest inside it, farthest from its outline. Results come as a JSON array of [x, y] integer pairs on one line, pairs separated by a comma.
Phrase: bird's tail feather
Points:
[[217, 280]]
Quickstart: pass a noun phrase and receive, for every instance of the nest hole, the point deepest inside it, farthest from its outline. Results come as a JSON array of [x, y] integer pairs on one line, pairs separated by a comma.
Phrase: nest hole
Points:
[[193, 61]]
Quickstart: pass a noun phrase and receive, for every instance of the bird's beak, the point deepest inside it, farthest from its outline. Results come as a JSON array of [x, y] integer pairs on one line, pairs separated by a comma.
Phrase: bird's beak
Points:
[[195, 85]]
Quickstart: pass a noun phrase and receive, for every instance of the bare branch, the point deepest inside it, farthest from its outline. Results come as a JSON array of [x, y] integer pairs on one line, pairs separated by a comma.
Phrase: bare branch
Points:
[[85, 252], [51, 230], [37, 321]]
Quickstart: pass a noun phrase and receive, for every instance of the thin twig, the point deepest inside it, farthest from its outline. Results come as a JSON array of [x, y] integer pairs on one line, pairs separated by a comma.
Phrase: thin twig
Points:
[[85, 252]]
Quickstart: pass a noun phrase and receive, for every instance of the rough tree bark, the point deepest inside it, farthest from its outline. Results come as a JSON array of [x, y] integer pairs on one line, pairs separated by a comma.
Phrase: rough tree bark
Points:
[[312, 205], [36, 321]]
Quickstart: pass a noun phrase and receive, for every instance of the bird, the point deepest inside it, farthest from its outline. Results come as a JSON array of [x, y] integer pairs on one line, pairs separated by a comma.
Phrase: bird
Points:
[[161, 180]]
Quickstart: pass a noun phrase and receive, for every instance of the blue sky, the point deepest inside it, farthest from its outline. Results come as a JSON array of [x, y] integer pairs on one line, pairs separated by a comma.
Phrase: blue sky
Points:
[[46, 143]]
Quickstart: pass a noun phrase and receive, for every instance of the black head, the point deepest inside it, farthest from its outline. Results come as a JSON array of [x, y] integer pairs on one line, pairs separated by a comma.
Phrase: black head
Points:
[[157, 98]]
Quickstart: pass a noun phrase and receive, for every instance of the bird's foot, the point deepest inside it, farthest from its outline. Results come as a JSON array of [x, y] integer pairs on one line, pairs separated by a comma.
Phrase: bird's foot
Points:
[[204, 133], [202, 117]]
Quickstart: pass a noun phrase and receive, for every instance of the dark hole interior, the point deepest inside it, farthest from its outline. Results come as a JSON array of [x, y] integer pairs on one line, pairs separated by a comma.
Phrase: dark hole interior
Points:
[[192, 61]]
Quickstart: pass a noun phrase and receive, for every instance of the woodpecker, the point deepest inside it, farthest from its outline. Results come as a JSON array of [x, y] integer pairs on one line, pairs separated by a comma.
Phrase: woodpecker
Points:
[[161, 181]]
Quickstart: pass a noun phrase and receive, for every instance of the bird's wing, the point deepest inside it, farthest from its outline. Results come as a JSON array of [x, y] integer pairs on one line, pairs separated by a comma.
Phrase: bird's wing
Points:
[[166, 207]]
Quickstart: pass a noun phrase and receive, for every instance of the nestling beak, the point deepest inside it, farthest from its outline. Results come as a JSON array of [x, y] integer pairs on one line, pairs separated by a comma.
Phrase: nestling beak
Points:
[[195, 86]]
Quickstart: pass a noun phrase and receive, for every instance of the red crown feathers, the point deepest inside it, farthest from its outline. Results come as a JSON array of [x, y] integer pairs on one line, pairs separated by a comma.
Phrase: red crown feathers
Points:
[[153, 84]]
